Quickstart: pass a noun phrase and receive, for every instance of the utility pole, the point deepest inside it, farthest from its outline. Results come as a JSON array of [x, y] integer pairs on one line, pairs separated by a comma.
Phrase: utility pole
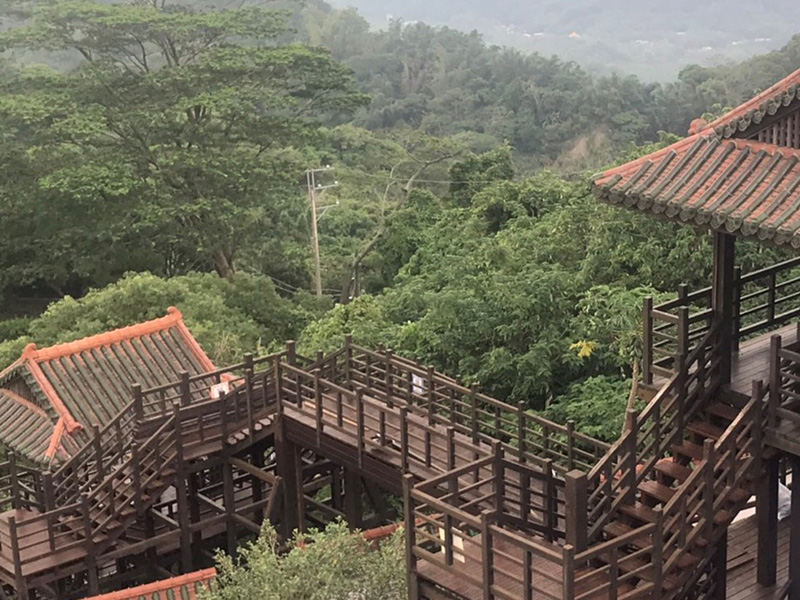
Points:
[[313, 188]]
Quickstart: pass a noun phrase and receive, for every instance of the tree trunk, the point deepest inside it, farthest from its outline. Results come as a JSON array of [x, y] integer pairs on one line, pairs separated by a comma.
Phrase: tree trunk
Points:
[[634, 390], [223, 263]]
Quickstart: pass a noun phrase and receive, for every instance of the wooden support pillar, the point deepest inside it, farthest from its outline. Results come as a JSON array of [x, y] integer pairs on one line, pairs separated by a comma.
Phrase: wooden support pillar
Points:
[[289, 467], [576, 509], [194, 509], [767, 514], [257, 460], [794, 532], [336, 487], [353, 504], [229, 499], [723, 298], [721, 568], [181, 495]]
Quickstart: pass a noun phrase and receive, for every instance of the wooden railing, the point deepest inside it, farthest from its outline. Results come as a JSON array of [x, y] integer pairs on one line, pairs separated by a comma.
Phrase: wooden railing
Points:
[[763, 300], [445, 402], [20, 485], [784, 392], [648, 436], [391, 428]]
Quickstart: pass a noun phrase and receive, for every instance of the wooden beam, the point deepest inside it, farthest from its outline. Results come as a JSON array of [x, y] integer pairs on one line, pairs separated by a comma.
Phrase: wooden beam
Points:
[[353, 502], [722, 298], [767, 514], [253, 470], [289, 468]]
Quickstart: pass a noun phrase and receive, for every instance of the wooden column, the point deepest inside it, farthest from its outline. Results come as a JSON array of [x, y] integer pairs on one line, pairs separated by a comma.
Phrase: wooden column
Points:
[[767, 513], [229, 500], [353, 504], [723, 297], [794, 542], [257, 460], [721, 563], [288, 468]]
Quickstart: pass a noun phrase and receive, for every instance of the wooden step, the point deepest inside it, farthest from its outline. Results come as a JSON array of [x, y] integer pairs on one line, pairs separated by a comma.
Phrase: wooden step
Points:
[[658, 491], [688, 450], [705, 429], [617, 529], [723, 411], [673, 470], [639, 512], [594, 586]]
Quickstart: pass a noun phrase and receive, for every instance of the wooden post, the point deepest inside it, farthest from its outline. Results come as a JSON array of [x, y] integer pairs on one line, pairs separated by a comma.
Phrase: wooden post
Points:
[[722, 298], [737, 306], [767, 514], [682, 349], [647, 345], [499, 479], [98, 453], [794, 531], [136, 474], [658, 552], [404, 439], [48, 490], [318, 408], [521, 431], [348, 357], [570, 444], [287, 457], [138, 401], [19, 579], [576, 505], [229, 500], [257, 460], [353, 505], [181, 495], [774, 380], [411, 537], [487, 555], [709, 457], [721, 567], [291, 352], [629, 468], [14, 480], [473, 401], [569, 572], [186, 389], [91, 559], [194, 509], [360, 426], [550, 501]]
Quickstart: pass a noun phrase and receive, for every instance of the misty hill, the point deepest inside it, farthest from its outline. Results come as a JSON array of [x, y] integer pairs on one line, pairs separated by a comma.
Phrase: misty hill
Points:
[[650, 38]]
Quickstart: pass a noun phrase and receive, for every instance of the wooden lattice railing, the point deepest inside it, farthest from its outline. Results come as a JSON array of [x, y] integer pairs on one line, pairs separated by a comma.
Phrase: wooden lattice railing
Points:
[[443, 401], [649, 435], [762, 300]]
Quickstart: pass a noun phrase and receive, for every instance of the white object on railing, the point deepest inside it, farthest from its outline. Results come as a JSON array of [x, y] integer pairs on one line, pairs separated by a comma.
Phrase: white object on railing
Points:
[[417, 385], [220, 389], [784, 502]]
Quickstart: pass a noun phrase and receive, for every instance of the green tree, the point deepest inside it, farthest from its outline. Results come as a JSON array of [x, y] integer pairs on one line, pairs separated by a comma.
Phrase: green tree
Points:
[[334, 564]]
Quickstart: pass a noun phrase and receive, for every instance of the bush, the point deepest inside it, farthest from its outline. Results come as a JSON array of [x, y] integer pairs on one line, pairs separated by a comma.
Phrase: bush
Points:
[[333, 564]]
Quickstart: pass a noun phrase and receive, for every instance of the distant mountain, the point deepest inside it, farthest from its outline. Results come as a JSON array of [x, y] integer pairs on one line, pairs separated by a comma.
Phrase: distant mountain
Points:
[[651, 38]]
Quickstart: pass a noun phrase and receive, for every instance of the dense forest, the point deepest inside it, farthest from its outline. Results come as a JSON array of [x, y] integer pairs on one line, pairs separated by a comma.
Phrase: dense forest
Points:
[[649, 38], [155, 154]]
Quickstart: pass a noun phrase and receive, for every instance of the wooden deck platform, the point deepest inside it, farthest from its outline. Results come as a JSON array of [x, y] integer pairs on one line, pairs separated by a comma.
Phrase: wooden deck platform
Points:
[[751, 362], [742, 551]]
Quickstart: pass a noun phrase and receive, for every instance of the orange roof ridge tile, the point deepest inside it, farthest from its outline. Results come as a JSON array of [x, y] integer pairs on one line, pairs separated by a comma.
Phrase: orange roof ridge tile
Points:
[[163, 585], [55, 439], [770, 149], [188, 338], [108, 338], [755, 103], [69, 421]]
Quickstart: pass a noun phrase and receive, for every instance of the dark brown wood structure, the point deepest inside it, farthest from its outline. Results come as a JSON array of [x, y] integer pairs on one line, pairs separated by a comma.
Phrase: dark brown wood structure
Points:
[[498, 503]]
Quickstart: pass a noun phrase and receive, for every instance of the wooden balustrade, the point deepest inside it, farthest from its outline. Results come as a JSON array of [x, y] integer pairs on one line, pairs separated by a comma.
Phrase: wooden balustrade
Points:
[[763, 300], [649, 435]]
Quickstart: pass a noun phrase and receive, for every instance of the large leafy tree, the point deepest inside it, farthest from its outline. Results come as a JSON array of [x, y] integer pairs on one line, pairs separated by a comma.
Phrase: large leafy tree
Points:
[[179, 138]]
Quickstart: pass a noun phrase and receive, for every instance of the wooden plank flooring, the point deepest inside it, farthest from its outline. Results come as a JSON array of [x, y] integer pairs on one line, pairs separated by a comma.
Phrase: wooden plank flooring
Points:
[[742, 552], [751, 362]]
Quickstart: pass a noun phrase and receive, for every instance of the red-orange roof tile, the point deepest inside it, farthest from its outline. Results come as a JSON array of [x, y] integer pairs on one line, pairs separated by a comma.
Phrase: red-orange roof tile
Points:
[[183, 587], [736, 186]]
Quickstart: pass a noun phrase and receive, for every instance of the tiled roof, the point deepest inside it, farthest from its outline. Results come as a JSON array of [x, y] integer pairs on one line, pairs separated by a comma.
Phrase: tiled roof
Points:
[[88, 382], [767, 103], [738, 186], [183, 587]]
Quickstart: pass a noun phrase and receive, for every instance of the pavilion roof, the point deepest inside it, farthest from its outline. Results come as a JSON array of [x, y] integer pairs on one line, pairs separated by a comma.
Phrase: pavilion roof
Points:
[[183, 587], [50, 397], [726, 175]]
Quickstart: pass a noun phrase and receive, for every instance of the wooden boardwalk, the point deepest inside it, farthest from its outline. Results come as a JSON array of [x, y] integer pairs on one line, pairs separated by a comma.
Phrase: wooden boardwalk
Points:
[[742, 552], [751, 362]]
